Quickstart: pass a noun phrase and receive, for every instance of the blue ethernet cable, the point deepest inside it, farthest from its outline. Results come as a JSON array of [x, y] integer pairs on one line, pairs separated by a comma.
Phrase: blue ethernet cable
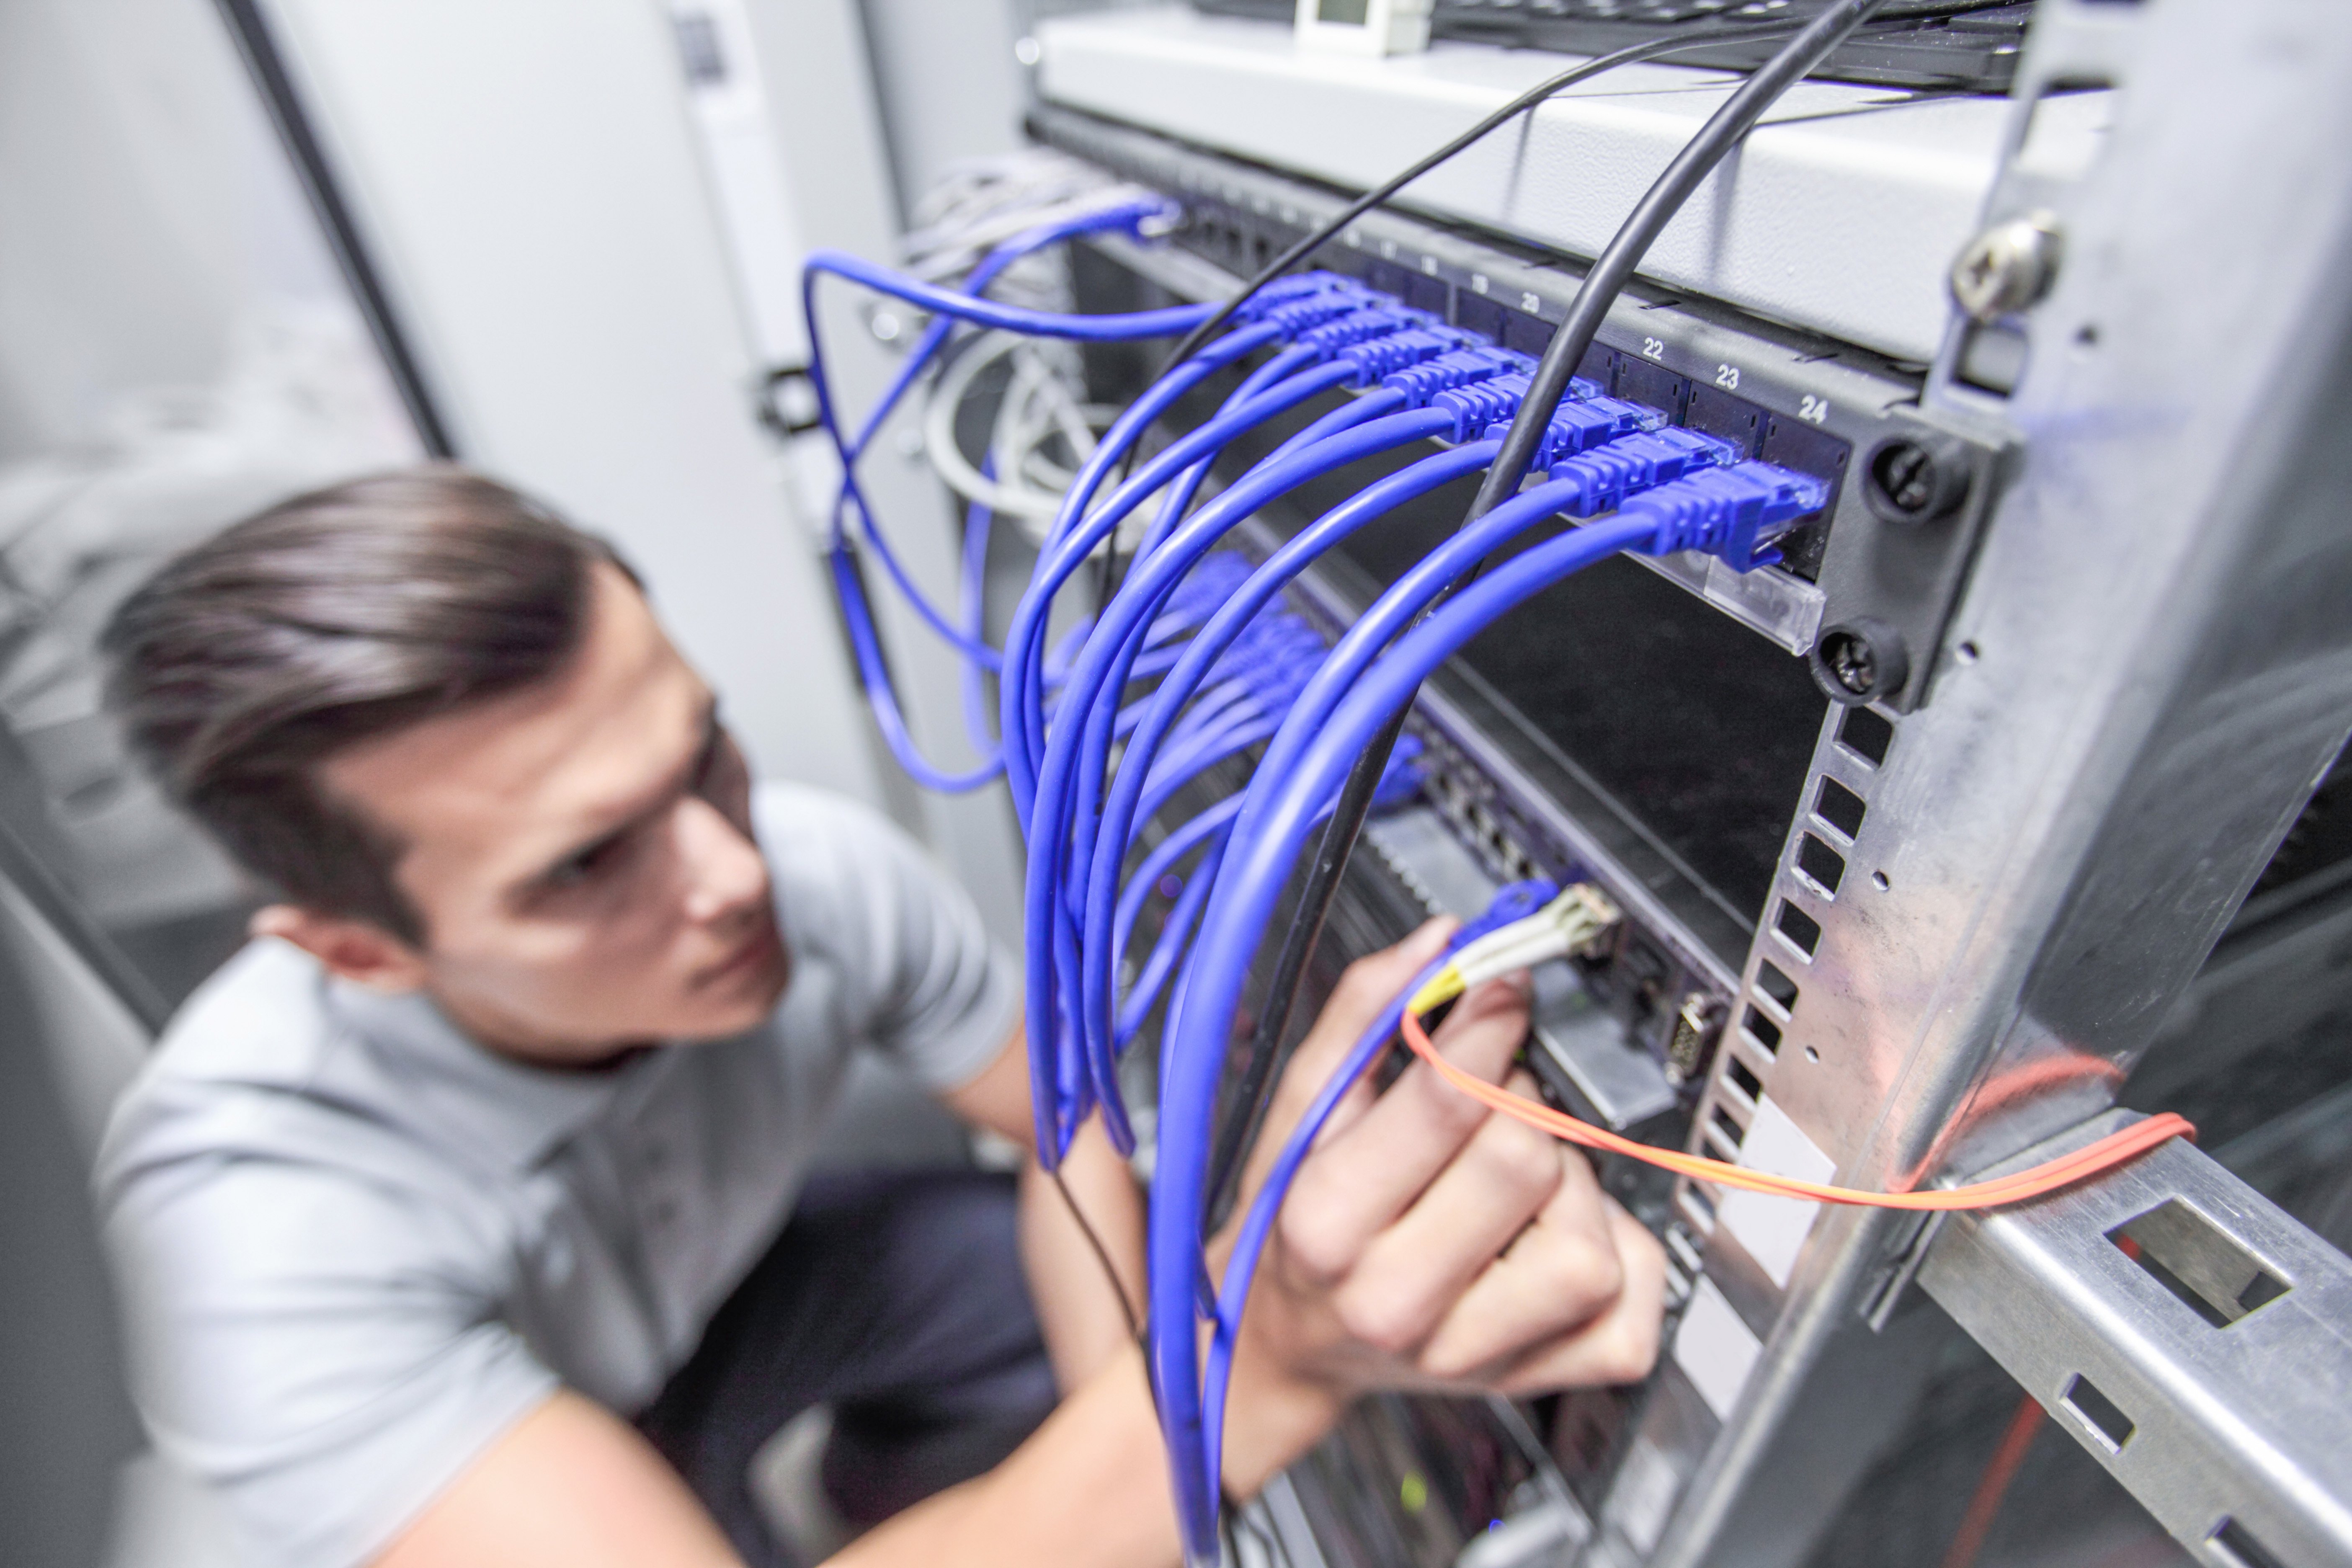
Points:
[[1239, 910], [1159, 966], [1025, 639], [872, 674], [1416, 363], [1678, 509], [1051, 821], [873, 669], [1180, 841], [1391, 613], [1514, 901], [1120, 328], [973, 603], [1021, 696], [1128, 216], [1727, 511], [1120, 814], [1071, 771], [1321, 694], [1380, 338]]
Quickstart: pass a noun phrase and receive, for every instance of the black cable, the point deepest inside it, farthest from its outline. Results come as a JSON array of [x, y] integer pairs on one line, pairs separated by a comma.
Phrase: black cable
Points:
[[1107, 574], [1102, 1256], [1599, 290], [1379, 196]]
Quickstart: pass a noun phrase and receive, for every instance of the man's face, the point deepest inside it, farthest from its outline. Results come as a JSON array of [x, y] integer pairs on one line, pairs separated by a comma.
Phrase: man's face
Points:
[[581, 853]]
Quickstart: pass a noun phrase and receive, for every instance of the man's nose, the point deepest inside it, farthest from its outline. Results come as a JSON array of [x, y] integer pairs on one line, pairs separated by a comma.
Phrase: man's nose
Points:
[[725, 872]]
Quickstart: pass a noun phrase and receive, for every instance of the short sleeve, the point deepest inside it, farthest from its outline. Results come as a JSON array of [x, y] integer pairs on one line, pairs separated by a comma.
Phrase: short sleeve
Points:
[[930, 987], [322, 1350]]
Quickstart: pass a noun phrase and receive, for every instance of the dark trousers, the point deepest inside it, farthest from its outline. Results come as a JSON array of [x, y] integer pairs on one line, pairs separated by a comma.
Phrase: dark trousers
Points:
[[896, 1297]]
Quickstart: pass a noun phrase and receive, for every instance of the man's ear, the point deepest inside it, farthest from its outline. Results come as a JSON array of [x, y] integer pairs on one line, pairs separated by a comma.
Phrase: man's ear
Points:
[[358, 951]]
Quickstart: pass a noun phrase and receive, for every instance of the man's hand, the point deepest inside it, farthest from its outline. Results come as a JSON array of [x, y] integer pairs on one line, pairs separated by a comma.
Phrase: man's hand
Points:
[[1427, 1242]]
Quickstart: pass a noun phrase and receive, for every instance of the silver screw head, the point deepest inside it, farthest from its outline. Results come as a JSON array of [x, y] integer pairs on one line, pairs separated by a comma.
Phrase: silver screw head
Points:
[[2007, 267]]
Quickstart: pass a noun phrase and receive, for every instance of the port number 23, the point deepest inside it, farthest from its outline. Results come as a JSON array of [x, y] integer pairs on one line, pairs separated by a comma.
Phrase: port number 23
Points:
[[1726, 377]]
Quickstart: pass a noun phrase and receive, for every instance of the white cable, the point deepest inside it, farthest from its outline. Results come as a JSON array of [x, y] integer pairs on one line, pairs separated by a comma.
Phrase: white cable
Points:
[[947, 456]]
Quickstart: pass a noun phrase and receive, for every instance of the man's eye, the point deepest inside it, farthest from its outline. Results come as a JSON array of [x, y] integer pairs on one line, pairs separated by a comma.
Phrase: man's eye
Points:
[[585, 865], [710, 770]]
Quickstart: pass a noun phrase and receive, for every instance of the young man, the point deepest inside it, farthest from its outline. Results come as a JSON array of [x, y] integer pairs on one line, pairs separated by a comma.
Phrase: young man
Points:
[[465, 1214]]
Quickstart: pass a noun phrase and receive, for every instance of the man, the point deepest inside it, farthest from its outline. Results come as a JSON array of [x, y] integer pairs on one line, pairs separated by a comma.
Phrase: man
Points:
[[466, 1212]]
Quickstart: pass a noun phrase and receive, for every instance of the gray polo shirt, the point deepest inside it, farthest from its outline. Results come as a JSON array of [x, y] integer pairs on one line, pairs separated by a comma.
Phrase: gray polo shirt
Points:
[[357, 1248]]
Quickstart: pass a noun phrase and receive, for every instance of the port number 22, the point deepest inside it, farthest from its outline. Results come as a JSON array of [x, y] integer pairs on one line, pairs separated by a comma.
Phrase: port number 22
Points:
[[1726, 377], [1653, 349]]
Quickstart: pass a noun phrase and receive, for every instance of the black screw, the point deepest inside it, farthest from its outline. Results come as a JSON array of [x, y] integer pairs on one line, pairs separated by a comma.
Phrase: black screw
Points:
[[1852, 662], [1908, 474], [1916, 478], [1861, 661]]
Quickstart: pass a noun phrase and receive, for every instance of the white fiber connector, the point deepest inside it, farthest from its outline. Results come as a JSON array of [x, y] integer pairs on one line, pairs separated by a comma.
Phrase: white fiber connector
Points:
[[1568, 924]]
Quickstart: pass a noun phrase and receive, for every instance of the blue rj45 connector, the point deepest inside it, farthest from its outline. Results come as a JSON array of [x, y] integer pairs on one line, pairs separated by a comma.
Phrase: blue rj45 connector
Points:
[[1733, 513], [1584, 419], [1420, 383], [1631, 464], [1287, 290]]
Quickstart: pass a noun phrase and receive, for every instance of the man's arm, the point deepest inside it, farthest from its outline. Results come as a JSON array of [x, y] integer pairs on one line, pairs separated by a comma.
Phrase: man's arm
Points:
[[1085, 1324], [1426, 1242], [572, 1485]]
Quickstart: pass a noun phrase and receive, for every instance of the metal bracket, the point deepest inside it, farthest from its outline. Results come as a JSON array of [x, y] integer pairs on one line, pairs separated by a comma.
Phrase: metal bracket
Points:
[[2187, 1332]]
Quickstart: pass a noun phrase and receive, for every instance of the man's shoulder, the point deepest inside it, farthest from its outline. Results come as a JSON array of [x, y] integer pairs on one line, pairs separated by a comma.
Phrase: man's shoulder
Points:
[[825, 848], [232, 1076], [797, 818], [264, 1015]]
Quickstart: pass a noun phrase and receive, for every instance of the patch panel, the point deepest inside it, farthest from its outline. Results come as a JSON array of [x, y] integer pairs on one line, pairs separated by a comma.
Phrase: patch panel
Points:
[[1779, 394], [1613, 1032]]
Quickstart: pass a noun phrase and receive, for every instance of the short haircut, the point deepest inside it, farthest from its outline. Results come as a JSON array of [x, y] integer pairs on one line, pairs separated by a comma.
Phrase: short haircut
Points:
[[333, 619]]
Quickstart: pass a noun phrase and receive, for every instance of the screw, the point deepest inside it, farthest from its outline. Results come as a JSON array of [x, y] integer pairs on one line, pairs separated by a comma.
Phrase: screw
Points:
[[2007, 267], [1852, 662], [1916, 478], [1861, 661], [1906, 474]]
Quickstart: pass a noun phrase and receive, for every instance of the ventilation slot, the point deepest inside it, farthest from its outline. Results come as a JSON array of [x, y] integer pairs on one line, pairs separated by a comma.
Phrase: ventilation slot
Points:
[[1840, 807], [2236, 1545], [2110, 1425], [1799, 927], [1762, 1030], [1737, 1075], [1822, 864], [1866, 734], [2201, 1264], [1777, 985]]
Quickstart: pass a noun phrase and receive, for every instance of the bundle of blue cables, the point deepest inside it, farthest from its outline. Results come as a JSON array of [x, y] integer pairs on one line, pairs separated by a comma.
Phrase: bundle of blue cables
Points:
[[1092, 767]]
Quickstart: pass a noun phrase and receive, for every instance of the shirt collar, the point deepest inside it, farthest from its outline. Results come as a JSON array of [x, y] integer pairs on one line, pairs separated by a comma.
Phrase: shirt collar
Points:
[[458, 1092]]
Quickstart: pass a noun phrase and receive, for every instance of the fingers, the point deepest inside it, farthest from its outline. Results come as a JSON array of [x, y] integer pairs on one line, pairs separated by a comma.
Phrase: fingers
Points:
[[1369, 1173], [1412, 1273], [1365, 987], [1621, 1345], [1559, 1274]]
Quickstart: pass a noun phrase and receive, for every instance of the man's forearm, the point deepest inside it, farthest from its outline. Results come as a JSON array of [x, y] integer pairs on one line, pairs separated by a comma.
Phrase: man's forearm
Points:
[[1084, 1325], [1089, 1489]]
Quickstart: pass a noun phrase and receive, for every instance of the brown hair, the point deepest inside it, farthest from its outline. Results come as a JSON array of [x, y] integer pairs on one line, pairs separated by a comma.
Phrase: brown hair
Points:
[[330, 619]]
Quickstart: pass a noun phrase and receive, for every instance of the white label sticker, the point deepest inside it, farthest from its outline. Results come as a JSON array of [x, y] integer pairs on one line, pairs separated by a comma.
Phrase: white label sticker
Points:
[[1773, 1230], [1715, 1349], [1645, 1496]]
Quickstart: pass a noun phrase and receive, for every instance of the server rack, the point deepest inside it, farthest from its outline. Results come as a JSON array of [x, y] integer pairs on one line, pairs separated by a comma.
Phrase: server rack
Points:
[[2104, 664]]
